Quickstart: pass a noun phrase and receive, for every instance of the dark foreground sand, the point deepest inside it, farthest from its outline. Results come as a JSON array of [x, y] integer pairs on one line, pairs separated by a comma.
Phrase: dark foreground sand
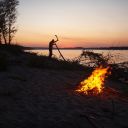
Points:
[[34, 98]]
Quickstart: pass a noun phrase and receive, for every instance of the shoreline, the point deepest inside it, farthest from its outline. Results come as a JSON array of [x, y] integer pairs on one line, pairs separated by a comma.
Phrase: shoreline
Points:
[[41, 48]]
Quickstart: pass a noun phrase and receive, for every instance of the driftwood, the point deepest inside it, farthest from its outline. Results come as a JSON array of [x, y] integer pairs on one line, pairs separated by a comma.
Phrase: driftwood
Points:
[[91, 58]]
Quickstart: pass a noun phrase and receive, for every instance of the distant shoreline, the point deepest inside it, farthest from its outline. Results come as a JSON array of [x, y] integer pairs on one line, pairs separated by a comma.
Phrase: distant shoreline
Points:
[[79, 48]]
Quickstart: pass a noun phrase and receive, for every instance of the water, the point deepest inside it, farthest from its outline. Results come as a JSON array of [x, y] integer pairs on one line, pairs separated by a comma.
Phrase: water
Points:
[[119, 56]]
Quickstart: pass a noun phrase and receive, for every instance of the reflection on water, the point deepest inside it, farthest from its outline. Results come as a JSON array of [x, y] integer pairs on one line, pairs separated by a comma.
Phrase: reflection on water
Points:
[[118, 55]]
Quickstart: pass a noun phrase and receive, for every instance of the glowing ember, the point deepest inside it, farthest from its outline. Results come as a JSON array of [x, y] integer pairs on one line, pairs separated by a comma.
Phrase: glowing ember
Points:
[[95, 83]]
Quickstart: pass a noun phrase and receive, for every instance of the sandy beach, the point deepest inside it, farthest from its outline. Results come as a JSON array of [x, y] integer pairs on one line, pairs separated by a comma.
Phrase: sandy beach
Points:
[[37, 98]]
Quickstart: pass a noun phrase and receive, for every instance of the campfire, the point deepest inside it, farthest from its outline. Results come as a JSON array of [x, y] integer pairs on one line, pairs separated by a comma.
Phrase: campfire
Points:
[[95, 83]]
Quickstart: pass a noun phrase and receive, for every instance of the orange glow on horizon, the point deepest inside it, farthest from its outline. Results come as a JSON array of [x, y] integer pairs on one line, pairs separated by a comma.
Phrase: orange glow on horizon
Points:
[[42, 40], [70, 38]]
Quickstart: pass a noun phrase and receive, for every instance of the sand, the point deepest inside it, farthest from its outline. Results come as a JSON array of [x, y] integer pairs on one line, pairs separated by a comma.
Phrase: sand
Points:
[[43, 98]]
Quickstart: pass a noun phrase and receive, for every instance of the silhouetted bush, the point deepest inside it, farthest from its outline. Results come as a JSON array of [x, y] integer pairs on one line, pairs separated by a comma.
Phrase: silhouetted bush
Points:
[[92, 59]]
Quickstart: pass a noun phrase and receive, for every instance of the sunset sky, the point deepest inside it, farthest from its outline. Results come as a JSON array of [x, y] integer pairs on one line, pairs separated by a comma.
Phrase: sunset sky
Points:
[[86, 23]]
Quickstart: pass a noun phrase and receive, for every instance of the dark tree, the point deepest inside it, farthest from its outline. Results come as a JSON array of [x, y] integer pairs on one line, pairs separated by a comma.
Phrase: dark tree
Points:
[[2, 22], [8, 15]]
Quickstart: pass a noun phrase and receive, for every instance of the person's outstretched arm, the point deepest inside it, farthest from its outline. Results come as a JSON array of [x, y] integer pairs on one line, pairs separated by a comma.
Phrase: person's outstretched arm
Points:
[[56, 38]]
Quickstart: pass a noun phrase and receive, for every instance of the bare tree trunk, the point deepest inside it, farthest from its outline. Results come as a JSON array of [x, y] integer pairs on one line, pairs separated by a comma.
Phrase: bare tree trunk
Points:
[[4, 37], [5, 41], [9, 35]]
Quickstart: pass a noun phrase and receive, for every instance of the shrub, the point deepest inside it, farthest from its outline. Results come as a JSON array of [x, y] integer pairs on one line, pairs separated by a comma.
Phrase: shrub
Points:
[[90, 58]]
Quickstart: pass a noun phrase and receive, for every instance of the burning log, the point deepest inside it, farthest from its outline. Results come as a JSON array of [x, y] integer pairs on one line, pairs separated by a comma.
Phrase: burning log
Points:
[[95, 83]]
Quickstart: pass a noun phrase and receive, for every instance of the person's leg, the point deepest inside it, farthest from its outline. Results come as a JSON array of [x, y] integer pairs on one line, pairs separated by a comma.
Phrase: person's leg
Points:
[[50, 53]]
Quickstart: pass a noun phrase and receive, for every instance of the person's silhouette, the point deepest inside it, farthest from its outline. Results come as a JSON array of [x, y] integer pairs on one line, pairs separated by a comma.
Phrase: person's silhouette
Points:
[[51, 43]]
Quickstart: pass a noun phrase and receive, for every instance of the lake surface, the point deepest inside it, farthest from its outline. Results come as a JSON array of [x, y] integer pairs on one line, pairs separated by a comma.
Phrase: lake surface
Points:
[[118, 55]]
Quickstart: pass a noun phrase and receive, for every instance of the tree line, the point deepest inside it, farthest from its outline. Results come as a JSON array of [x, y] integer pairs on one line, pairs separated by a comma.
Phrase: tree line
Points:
[[8, 16]]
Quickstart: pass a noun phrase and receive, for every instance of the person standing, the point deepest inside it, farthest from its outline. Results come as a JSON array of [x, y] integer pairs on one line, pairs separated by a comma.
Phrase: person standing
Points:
[[51, 44]]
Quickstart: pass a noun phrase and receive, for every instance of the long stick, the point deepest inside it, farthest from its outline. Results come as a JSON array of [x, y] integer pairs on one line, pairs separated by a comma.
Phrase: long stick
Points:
[[60, 52], [58, 48]]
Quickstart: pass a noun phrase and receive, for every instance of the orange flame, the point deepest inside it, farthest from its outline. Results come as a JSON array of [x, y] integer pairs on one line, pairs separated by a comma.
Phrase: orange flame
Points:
[[95, 83]]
